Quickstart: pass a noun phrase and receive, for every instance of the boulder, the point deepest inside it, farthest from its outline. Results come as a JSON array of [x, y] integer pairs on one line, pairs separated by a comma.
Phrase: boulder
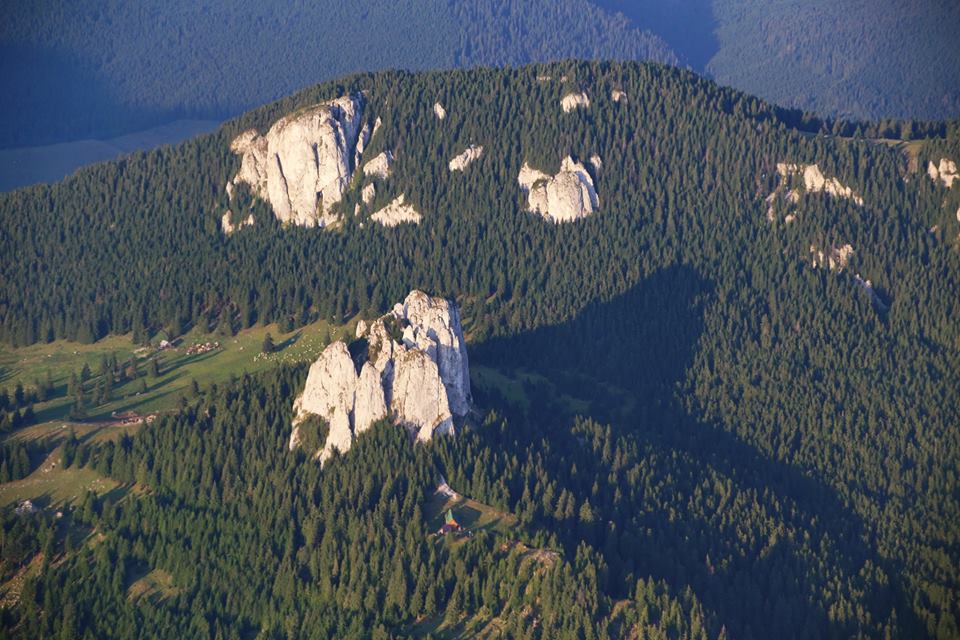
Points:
[[463, 160], [303, 164]]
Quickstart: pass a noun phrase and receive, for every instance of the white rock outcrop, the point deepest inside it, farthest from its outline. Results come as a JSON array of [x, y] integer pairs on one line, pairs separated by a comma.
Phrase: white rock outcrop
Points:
[[575, 100], [814, 181], [945, 172], [835, 259], [398, 211], [227, 226], [439, 111], [303, 164], [617, 95], [369, 193], [432, 325], [363, 139], [463, 160], [370, 403], [568, 195], [415, 370], [329, 393], [379, 166], [529, 176]]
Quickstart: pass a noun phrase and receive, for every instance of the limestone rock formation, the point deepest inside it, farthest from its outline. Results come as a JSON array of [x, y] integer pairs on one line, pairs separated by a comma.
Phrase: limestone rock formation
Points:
[[303, 164], [529, 176], [569, 195], [433, 326], [814, 181], [440, 112], [575, 100], [329, 393], [362, 140], [945, 172], [617, 95], [415, 370], [370, 403], [419, 399], [227, 226], [791, 177], [836, 259], [397, 212], [379, 166], [463, 160], [369, 193]]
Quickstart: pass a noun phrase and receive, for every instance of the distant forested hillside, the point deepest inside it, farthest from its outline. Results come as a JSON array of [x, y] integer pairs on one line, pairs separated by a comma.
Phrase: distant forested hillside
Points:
[[861, 59], [855, 58], [775, 442], [98, 69]]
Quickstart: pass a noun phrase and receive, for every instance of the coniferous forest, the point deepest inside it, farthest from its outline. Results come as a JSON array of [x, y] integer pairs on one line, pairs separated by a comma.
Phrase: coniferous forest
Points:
[[714, 437]]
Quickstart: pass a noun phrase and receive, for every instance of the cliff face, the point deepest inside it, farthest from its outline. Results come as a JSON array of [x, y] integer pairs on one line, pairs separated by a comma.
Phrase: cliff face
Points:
[[414, 369], [303, 164]]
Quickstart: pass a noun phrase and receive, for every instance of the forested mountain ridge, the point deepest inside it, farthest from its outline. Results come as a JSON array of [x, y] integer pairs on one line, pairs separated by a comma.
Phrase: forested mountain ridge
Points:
[[94, 69], [754, 429]]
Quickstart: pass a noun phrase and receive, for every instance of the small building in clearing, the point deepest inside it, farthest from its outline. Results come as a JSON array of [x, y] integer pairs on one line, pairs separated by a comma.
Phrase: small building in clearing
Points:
[[450, 524]]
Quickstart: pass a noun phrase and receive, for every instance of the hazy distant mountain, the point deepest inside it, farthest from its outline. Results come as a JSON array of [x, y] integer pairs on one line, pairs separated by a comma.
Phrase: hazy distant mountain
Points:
[[96, 69]]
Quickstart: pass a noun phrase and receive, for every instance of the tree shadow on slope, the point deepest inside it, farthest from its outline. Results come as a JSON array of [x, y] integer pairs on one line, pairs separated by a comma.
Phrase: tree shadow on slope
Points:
[[767, 548]]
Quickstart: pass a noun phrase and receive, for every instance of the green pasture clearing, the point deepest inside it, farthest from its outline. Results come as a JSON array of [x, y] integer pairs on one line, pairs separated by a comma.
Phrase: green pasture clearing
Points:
[[471, 514], [48, 487], [237, 355]]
